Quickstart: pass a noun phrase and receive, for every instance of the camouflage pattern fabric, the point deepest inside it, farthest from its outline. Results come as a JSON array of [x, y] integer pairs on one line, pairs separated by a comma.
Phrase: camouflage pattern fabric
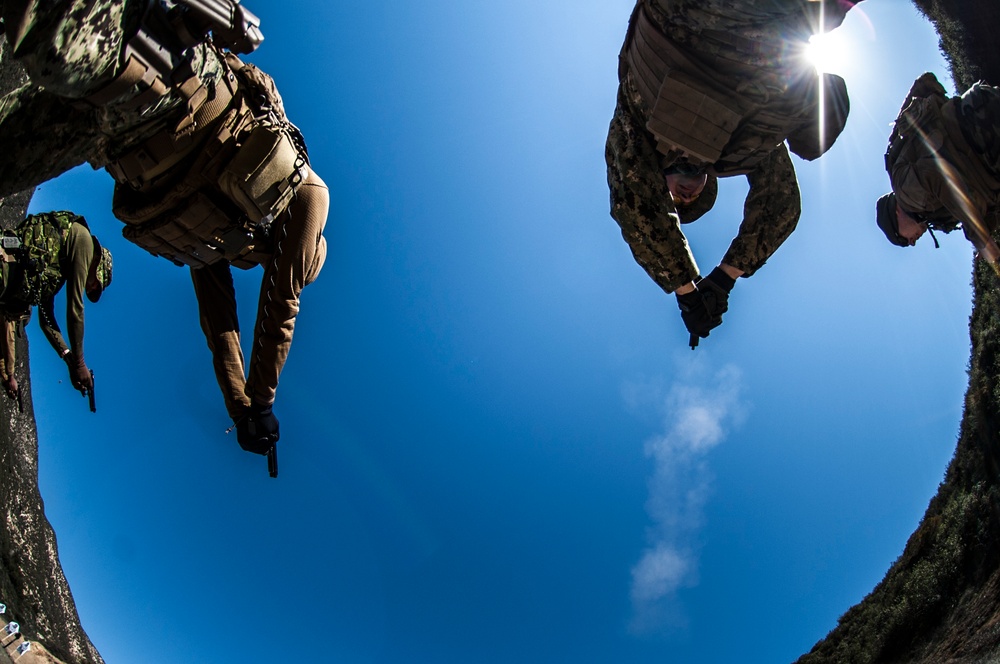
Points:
[[47, 127], [645, 211], [642, 205], [42, 236], [944, 157], [758, 33], [69, 48], [979, 120], [725, 33], [65, 131]]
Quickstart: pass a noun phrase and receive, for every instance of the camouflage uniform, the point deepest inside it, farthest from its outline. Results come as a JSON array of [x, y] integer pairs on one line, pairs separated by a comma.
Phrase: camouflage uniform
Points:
[[749, 41], [68, 57], [944, 157], [73, 51], [73, 257]]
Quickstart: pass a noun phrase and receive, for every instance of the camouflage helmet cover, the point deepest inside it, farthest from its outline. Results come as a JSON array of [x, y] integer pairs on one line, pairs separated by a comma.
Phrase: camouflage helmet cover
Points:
[[102, 271], [701, 205], [670, 165]]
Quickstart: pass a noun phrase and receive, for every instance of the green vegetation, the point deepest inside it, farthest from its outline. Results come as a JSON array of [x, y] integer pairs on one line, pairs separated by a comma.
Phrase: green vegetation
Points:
[[940, 601]]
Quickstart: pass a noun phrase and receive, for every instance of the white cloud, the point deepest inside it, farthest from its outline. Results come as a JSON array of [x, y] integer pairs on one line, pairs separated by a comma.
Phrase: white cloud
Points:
[[698, 412], [660, 572]]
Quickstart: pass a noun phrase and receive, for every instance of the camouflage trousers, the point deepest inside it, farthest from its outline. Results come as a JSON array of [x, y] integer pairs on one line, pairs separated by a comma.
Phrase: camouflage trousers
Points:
[[70, 49], [300, 251], [43, 135], [67, 47]]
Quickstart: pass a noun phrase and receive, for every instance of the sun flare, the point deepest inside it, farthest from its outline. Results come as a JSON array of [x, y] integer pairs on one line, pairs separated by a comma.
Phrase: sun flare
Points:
[[828, 52]]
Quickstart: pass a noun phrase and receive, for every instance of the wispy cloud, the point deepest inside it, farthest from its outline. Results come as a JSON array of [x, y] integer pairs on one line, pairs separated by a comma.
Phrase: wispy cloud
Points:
[[699, 410]]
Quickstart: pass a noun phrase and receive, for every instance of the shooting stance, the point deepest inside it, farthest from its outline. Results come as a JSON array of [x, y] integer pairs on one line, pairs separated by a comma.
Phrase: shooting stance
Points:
[[209, 171], [46, 252], [709, 90], [943, 162]]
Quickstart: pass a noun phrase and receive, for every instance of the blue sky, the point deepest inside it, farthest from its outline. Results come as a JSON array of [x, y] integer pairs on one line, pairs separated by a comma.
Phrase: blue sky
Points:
[[496, 445]]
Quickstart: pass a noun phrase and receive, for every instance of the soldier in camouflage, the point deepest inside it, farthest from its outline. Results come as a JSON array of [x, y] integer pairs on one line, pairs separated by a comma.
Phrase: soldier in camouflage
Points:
[[52, 250], [943, 162], [71, 53], [148, 92], [742, 59]]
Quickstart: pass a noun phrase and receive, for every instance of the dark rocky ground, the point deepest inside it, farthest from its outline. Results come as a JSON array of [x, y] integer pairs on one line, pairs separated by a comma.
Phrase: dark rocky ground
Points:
[[32, 584], [940, 601]]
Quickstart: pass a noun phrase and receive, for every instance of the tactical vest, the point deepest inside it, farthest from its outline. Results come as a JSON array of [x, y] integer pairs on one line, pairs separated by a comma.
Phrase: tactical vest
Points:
[[209, 189], [928, 125], [34, 273], [714, 108]]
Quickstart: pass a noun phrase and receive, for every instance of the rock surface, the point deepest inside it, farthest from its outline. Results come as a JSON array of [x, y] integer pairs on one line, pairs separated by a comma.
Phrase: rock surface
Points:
[[32, 584], [940, 601]]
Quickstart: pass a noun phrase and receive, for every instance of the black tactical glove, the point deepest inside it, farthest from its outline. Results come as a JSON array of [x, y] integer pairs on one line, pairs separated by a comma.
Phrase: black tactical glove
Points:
[[697, 317], [257, 430], [715, 289]]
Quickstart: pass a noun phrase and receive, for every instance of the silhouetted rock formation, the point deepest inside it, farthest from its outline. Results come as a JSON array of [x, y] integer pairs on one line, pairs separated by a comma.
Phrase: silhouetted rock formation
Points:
[[32, 584], [940, 601]]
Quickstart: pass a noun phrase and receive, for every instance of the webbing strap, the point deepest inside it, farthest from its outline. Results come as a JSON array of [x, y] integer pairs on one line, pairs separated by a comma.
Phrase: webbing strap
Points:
[[743, 44], [165, 149], [651, 56], [132, 74]]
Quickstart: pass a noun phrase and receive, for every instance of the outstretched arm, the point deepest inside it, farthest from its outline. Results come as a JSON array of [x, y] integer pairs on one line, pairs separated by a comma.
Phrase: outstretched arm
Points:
[[642, 205], [50, 328], [770, 213]]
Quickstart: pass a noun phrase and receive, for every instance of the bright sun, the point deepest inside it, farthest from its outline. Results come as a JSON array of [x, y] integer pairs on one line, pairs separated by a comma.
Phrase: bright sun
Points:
[[828, 52]]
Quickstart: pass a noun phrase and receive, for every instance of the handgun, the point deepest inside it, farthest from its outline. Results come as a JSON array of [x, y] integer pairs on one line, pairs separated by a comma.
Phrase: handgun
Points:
[[90, 394]]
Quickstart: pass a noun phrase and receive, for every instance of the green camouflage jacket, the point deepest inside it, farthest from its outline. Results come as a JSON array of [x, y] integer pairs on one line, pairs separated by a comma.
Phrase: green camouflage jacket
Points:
[[756, 40]]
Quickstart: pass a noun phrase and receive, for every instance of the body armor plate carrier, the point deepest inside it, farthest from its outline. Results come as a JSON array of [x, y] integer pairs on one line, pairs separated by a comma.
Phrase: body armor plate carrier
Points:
[[723, 109], [210, 189], [30, 254]]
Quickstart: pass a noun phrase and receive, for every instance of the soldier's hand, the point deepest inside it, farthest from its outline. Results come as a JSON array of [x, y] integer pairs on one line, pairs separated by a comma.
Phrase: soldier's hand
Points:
[[697, 317], [715, 289], [10, 387], [79, 373]]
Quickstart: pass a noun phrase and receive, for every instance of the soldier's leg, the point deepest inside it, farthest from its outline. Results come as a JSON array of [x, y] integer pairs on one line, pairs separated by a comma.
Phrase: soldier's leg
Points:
[[300, 251], [642, 205], [213, 286], [70, 48], [42, 136]]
